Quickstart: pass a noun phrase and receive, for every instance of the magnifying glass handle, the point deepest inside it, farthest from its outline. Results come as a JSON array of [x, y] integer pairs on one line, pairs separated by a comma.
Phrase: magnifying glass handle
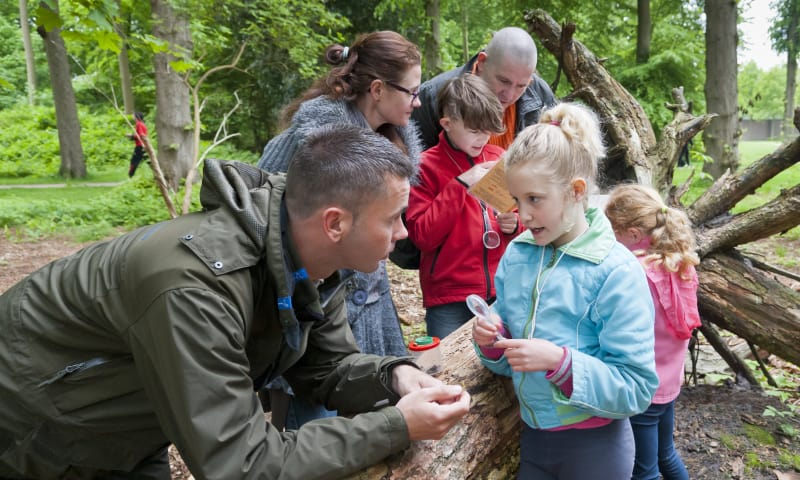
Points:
[[478, 306]]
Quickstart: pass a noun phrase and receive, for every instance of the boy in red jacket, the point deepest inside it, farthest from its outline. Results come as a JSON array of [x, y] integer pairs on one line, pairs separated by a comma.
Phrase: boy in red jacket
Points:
[[461, 238]]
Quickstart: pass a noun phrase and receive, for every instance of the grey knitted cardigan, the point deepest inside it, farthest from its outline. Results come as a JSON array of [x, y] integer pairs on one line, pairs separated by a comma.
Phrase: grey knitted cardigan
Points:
[[370, 309]]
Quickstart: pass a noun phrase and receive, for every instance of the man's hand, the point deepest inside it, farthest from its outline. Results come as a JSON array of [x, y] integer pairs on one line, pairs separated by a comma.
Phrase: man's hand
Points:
[[407, 379], [431, 412]]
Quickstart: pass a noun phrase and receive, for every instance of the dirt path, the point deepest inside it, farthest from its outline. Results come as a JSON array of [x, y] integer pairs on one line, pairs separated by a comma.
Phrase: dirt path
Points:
[[721, 431]]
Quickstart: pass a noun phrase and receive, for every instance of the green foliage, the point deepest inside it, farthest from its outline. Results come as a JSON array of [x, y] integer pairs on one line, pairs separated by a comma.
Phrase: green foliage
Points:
[[30, 141], [89, 213], [13, 89], [761, 94]]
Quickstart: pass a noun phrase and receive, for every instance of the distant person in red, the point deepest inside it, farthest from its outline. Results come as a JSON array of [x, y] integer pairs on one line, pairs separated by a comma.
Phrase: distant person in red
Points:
[[138, 151]]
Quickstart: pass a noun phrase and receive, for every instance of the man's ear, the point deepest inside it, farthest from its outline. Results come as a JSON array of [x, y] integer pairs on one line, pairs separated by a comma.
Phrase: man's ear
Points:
[[578, 187], [336, 222], [480, 61]]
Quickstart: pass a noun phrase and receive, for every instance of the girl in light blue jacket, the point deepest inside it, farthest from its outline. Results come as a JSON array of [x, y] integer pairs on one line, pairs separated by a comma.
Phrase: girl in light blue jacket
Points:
[[573, 310]]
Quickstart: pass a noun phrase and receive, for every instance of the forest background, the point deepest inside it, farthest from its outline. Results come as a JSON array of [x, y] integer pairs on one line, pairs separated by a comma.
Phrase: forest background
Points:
[[233, 64], [112, 47]]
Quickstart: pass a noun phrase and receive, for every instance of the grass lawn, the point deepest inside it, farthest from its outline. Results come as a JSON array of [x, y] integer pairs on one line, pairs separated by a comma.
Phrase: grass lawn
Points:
[[749, 153]]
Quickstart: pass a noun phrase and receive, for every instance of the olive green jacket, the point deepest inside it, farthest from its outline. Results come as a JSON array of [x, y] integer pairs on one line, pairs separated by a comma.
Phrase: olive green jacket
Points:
[[162, 334]]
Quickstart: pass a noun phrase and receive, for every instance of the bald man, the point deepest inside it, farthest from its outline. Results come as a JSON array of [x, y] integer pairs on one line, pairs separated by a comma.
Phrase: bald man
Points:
[[508, 65]]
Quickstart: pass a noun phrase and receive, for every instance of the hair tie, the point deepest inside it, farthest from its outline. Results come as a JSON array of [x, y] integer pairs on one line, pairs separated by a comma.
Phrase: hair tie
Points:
[[555, 122], [345, 53], [664, 209]]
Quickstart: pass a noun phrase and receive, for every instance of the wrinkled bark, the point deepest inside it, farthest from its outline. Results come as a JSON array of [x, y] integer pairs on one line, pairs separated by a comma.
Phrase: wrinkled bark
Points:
[[721, 138], [484, 445], [67, 123], [173, 118]]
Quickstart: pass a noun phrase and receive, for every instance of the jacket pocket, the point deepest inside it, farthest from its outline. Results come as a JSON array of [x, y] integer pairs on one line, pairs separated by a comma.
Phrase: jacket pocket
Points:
[[91, 382]]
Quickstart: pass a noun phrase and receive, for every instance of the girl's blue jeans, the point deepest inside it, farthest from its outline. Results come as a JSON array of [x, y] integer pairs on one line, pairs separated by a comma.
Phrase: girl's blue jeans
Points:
[[655, 450]]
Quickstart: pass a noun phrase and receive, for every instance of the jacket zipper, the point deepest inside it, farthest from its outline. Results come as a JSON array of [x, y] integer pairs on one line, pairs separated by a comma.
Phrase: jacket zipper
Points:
[[74, 368], [435, 258]]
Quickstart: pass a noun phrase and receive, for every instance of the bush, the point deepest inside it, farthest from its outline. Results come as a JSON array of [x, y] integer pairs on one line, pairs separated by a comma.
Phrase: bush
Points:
[[132, 204], [30, 141]]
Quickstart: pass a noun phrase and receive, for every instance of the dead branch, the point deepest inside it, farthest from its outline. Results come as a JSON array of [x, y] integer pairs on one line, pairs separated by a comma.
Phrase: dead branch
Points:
[[198, 107]]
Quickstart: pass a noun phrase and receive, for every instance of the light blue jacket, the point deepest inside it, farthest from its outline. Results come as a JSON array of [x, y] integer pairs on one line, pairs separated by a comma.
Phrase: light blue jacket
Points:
[[596, 302]]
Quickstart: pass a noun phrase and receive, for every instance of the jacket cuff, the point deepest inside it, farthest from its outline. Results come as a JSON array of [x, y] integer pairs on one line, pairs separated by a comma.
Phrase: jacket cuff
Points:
[[563, 374], [386, 377]]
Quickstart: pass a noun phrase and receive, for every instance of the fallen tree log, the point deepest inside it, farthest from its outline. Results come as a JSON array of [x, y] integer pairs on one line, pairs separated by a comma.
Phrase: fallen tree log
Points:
[[484, 445]]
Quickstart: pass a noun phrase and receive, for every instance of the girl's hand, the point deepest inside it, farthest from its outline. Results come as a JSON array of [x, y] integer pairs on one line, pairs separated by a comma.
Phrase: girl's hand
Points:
[[534, 355], [508, 222], [485, 333]]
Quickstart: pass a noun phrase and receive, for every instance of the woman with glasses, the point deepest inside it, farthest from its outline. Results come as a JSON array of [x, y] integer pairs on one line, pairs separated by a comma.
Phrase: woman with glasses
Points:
[[461, 238], [373, 84]]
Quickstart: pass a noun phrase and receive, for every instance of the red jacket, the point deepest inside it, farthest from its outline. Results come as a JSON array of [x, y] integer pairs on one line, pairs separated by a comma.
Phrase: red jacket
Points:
[[446, 223]]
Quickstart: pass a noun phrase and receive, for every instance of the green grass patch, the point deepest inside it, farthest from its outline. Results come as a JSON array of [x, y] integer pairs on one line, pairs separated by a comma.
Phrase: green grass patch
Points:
[[731, 442], [790, 460], [753, 461], [86, 213], [750, 152], [759, 435]]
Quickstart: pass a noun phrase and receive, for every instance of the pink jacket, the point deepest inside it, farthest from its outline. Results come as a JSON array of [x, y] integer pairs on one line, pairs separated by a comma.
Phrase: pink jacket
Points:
[[675, 300]]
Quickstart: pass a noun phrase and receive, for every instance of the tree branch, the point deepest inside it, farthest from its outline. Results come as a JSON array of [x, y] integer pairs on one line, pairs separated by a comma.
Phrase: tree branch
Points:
[[779, 215], [729, 189]]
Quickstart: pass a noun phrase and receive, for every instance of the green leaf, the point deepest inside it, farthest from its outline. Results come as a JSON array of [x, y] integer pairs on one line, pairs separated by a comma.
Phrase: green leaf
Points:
[[47, 18]]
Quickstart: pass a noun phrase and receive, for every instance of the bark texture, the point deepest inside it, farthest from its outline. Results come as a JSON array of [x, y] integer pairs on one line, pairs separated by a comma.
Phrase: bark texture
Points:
[[67, 123], [173, 119], [721, 138]]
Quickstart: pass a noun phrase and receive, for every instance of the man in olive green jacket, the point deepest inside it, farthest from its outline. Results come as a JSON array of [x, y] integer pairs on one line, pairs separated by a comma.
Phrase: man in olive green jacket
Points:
[[162, 335]]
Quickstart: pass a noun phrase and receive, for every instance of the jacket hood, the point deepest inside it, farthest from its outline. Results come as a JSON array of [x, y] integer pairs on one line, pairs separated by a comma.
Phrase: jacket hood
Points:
[[253, 198], [323, 110], [235, 186]]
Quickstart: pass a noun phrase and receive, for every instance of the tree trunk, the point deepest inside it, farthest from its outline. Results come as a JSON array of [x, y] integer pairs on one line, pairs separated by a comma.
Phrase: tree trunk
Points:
[[30, 67], [643, 31], [792, 48], [433, 39], [721, 137], [173, 118], [67, 124], [124, 69], [735, 293], [465, 53], [484, 445]]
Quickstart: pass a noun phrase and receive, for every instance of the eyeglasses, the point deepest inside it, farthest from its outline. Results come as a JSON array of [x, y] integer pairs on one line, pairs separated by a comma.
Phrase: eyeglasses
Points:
[[491, 239], [414, 95]]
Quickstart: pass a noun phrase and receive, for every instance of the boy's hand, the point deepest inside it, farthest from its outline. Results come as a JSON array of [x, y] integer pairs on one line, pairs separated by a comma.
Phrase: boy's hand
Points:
[[508, 222], [471, 176]]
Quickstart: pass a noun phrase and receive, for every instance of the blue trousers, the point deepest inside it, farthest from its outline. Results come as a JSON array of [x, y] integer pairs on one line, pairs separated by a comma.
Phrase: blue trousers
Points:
[[655, 450], [442, 320], [577, 454]]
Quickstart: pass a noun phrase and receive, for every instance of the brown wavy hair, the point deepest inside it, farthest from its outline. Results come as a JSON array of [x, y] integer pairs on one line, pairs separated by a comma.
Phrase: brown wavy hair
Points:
[[384, 55]]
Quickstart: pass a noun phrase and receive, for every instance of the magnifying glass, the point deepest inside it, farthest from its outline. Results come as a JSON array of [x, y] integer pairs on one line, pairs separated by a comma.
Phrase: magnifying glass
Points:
[[480, 309]]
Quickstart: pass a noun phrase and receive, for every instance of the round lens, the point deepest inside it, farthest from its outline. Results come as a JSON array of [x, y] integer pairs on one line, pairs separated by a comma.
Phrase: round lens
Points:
[[491, 239]]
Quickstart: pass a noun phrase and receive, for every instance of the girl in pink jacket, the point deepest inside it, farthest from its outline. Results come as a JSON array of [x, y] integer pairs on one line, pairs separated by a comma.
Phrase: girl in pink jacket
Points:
[[662, 238]]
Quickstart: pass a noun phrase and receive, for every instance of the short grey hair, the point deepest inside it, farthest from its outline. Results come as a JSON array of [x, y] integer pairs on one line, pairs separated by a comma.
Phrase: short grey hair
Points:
[[343, 165], [512, 43]]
